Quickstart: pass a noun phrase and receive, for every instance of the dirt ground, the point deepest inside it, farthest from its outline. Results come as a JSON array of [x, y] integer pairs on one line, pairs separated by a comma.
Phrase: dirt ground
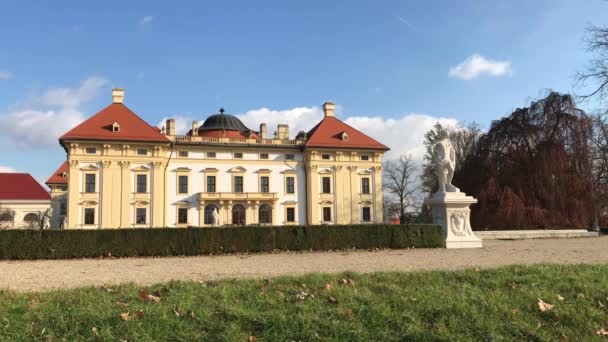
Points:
[[53, 274]]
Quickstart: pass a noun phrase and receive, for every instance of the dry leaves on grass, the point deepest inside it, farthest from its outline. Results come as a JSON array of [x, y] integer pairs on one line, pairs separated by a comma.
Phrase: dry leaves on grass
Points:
[[106, 287], [177, 311], [560, 298], [347, 282], [95, 332], [122, 304], [544, 306], [251, 339], [33, 303], [127, 316], [602, 332], [328, 287], [332, 300], [155, 297]]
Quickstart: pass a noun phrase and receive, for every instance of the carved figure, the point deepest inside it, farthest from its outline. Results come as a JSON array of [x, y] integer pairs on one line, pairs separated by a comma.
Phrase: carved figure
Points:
[[216, 217], [444, 160], [64, 223], [46, 219]]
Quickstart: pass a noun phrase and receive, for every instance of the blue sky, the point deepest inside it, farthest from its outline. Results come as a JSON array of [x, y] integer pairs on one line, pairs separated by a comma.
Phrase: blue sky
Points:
[[385, 63]]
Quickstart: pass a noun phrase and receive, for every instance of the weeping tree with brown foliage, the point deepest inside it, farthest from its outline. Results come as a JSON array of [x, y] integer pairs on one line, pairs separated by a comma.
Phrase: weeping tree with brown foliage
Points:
[[532, 169]]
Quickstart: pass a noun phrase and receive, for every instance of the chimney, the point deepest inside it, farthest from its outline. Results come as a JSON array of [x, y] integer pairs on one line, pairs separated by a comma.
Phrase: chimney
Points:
[[263, 131], [118, 95], [170, 127], [194, 128], [283, 132], [328, 109]]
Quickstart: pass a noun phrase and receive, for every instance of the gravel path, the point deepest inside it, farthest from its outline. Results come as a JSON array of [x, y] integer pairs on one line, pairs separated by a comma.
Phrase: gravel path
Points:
[[52, 274]]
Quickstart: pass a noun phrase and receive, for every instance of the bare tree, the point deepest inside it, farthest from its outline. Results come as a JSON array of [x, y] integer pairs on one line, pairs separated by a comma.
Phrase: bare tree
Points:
[[599, 167], [400, 187], [597, 69]]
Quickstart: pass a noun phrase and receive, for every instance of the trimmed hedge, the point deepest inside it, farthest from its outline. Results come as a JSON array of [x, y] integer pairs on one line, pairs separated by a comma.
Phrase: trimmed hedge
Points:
[[66, 244]]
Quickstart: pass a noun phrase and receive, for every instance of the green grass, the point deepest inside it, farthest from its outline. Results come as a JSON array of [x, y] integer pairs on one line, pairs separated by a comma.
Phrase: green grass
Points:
[[497, 304]]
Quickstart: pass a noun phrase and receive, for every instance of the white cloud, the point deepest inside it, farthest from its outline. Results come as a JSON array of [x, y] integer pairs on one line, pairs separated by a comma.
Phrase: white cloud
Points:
[[43, 119], [7, 169], [146, 20], [477, 65], [389, 131], [5, 75]]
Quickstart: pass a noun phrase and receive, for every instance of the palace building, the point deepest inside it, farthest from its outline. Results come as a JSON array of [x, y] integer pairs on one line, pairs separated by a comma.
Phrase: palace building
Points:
[[122, 172]]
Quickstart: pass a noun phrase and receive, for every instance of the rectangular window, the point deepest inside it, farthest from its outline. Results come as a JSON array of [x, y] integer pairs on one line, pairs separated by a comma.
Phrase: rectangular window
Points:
[[91, 150], [183, 154], [265, 184], [210, 154], [210, 183], [142, 152], [291, 214], [140, 215], [183, 184], [326, 214], [263, 155], [365, 185], [89, 215], [142, 183], [89, 183], [291, 188], [365, 157], [366, 214], [290, 156], [182, 215], [238, 155], [325, 156], [326, 185], [63, 209], [238, 183]]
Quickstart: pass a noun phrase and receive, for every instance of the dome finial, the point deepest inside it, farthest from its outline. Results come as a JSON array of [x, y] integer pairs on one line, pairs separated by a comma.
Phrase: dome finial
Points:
[[222, 110]]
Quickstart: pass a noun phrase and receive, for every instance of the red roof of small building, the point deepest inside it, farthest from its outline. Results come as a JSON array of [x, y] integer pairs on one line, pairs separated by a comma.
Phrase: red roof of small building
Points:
[[328, 133], [99, 126], [57, 177], [21, 186]]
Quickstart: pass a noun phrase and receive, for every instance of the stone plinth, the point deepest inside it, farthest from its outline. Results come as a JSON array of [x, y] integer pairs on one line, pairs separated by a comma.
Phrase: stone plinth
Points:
[[451, 211]]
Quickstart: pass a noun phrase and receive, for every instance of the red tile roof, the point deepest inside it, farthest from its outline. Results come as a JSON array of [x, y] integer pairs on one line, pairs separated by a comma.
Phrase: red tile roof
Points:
[[99, 126], [328, 133], [57, 176], [21, 186]]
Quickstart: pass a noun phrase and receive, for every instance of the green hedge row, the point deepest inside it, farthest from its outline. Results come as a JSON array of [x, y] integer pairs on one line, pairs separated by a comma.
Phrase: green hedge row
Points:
[[66, 244]]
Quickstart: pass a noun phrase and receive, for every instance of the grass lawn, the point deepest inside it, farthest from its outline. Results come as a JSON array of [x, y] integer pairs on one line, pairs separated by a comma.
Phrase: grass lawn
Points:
[[497, 304]]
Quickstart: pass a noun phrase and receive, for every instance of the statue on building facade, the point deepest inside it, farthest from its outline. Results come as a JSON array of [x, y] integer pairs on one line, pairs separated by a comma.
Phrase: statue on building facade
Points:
[[45, 223], [64, 222], [444, 160], [216, 218]]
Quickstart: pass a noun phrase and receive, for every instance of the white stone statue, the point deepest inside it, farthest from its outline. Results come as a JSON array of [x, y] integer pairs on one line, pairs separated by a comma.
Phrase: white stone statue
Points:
[[444, 160], [449, 206], [64, 222], [46, 219], [216, 218]]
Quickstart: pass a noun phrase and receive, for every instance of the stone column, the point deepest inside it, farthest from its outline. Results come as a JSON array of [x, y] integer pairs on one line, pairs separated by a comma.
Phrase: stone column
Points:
[[451, 211]]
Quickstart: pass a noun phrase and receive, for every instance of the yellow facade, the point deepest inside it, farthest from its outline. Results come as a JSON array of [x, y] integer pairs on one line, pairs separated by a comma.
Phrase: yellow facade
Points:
[[130, 184]]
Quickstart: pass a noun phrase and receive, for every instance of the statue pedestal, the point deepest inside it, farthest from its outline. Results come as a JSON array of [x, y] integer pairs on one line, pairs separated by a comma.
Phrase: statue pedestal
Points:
[[451, 211]]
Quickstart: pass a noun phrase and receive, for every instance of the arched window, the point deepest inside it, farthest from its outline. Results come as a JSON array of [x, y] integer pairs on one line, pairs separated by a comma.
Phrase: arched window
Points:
[[6, 217], [31, 220], [238, 215], [209, 208], [265, 212]]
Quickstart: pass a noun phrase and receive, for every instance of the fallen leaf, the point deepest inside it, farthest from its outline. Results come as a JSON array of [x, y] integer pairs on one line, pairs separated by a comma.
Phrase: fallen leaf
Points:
[[106, 286], [94, 329], [151, 297], [602, 332], [328, 287], [560, 298], [543, 306], [580, 295], [477, 269], [33, 303], [122, 304], [565, 338], [514, 312], [350, 312], [251, 338], [600, 304], [332, 300], [139, 313], [192, 315], [177, 311], [125, 316]]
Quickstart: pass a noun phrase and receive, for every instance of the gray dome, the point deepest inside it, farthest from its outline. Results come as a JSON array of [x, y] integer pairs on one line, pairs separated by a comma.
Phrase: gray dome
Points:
[[223, 122]]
